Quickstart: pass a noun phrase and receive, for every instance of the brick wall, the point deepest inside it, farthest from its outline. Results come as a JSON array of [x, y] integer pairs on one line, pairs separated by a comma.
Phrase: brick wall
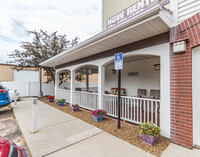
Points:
[[181, 81]]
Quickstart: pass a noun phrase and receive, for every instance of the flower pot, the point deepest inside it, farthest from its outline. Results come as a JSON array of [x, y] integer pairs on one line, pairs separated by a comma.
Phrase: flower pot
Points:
[[149, 139], [60, 103], [98, 118], [74, 109], [50, 100]]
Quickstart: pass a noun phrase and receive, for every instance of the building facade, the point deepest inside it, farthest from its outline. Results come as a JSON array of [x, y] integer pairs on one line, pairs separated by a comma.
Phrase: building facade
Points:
[[9, 74], [160, 42]]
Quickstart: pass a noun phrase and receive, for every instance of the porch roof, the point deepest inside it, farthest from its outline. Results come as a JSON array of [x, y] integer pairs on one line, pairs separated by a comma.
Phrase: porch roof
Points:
[[151, 22]]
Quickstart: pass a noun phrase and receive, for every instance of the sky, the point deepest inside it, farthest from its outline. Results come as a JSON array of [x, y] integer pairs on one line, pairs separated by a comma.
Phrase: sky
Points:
[[81, 18]]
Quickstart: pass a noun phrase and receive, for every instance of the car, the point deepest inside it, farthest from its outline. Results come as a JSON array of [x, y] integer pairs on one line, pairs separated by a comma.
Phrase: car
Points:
[[4, 97], [10, 149], [12, 95]]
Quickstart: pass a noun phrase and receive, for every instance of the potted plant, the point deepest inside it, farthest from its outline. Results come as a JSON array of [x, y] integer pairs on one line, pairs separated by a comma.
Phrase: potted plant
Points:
[[74, 107], [50, 98], [98, 115], [149, 133], [60, 102]]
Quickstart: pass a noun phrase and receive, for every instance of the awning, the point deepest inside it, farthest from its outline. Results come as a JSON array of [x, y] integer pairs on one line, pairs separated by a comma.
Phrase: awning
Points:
[[151, 22]]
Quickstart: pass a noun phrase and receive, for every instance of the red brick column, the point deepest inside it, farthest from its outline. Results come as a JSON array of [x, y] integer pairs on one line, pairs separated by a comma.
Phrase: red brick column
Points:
[[181, 81]]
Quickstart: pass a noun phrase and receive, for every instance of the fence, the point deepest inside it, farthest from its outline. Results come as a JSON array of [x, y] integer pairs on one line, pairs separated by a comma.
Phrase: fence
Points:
[[86, 100], [133, 109], [28, 88], [64, 94]]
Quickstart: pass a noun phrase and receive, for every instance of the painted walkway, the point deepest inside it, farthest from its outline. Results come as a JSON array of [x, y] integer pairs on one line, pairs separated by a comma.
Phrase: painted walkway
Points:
[[63, 135]]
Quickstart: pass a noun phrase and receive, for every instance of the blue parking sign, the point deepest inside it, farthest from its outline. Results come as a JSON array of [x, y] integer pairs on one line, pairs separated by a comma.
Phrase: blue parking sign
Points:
[[119, 61]]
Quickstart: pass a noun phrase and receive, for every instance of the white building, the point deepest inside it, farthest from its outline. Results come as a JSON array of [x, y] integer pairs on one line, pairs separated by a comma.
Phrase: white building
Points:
[[160, 44]]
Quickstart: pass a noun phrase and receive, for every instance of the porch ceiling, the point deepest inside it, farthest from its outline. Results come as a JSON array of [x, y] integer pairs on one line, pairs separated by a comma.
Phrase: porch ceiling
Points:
[[151, 22]]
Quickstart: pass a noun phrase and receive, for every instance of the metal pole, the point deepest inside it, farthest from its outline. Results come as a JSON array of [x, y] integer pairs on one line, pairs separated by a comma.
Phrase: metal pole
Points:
[[119, 97]]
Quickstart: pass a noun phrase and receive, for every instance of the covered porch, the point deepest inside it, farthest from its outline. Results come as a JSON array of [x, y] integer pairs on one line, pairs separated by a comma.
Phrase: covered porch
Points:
[[140, 101]]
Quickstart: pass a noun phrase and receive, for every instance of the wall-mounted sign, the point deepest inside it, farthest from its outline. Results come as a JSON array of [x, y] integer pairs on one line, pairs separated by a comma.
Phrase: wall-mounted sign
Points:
[[133, 73], [133, 10]]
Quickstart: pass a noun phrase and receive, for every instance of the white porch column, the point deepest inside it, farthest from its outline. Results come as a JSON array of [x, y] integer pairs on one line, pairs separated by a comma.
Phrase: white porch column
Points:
[[165, 95], [72, 86], [56, 84], [101, 80]]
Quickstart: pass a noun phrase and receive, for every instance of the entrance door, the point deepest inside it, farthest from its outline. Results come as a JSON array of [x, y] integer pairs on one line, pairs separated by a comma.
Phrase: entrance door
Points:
[[196, 95]]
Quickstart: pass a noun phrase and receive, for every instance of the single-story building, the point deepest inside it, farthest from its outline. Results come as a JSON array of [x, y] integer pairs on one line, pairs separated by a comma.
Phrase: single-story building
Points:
[[9, 74], [160, 41]]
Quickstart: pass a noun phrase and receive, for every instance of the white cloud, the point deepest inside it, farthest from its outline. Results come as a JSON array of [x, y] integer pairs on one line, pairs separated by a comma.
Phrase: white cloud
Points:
[[71, 17]]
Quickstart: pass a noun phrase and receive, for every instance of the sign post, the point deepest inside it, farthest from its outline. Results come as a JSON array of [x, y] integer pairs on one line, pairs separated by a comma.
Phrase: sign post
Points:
[[34, 115], [119, 66]]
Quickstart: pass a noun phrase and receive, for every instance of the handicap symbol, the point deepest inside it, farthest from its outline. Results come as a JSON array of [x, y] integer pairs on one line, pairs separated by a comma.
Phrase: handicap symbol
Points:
[[118, 57]]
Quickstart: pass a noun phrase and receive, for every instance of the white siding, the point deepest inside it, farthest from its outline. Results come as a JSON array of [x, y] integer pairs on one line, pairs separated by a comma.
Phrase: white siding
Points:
[[26, 75], [148, 78], [187, 8], [113, 7]]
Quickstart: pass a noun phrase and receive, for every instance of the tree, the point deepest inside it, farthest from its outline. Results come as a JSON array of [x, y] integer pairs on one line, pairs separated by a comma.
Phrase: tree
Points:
[[64, 77], [79, 77], [42, 47]]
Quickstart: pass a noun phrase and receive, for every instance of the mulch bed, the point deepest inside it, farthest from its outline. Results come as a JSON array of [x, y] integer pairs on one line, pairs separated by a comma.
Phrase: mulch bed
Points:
[[127, 132]]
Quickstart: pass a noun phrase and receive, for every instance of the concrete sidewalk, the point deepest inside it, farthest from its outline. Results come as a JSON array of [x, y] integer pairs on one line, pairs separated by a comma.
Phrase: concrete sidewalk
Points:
[[63, 135]]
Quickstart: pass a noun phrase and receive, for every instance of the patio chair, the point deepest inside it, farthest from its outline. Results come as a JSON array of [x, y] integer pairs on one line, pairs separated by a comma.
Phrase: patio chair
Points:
[[150, 103], [140, 92], [106, 92], [78, 89], [155, 93]]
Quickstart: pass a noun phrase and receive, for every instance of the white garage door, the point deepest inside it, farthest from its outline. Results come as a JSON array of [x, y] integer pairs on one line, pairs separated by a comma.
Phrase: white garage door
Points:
[[26, 75], [196, 95]]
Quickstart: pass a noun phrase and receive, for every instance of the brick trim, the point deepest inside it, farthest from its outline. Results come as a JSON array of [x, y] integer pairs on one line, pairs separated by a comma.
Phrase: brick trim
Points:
[[181, 81]]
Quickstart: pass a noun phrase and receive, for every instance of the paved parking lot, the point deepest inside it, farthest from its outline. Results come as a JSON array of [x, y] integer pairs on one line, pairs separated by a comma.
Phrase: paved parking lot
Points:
[[9, 128]]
